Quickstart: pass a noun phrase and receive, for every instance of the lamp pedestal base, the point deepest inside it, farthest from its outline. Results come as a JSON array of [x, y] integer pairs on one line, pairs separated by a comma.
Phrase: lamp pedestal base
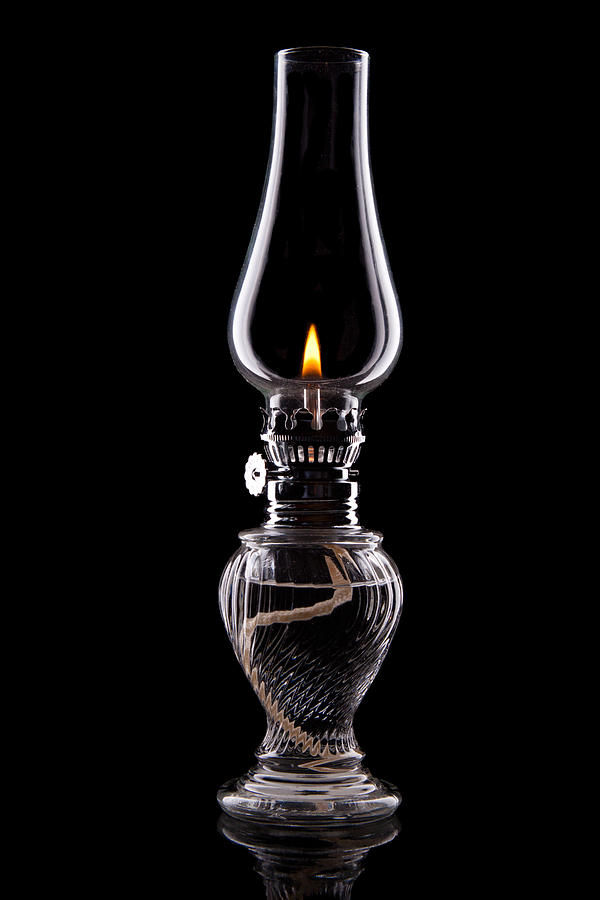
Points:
[[325, 795]]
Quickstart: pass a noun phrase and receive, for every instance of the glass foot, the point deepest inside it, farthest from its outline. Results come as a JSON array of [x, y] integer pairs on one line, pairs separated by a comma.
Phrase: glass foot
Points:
[[293, 796]]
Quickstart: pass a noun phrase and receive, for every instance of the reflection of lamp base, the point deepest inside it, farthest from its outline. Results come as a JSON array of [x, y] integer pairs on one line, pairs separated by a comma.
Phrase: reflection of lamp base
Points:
[[297, 797], [306, 862]]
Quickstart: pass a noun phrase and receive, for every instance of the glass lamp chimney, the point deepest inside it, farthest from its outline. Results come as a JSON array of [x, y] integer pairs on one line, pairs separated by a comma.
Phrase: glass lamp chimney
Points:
[[316, 272]]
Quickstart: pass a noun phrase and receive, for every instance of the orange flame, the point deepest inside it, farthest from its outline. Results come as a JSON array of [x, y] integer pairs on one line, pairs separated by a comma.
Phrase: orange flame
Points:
[[311, 366]]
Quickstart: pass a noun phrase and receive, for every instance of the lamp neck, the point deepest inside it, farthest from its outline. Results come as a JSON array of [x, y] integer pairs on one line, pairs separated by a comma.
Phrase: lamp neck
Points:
[[318, 498]]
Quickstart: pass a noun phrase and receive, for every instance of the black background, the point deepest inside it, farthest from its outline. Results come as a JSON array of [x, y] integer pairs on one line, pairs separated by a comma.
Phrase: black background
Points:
[[176, 131]]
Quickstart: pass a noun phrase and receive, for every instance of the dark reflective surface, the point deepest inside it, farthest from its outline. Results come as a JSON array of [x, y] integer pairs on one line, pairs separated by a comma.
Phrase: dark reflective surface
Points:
[[304, 862]]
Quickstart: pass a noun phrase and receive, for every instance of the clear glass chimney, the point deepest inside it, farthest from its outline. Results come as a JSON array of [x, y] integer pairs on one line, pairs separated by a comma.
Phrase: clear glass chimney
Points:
[[317, 259]]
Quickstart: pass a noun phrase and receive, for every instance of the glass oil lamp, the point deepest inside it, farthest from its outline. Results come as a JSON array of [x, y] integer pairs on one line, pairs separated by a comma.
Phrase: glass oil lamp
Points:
[[310, 600]]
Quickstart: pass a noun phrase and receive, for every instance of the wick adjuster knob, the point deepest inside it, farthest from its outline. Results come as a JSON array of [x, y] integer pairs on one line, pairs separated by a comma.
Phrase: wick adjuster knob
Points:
[[255, 474]]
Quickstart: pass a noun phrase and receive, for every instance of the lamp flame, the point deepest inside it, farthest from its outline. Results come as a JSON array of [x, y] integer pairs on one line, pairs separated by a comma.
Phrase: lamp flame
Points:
[[311, 365]]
